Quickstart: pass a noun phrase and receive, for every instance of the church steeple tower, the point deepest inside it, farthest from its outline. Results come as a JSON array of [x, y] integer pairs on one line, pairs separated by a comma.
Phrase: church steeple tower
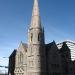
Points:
[[36, 58], [36, 33]]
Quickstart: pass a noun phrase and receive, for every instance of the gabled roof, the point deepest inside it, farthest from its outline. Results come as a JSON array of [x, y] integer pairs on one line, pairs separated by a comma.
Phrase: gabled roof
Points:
[[51, 44], [13, 53], [23, 45]]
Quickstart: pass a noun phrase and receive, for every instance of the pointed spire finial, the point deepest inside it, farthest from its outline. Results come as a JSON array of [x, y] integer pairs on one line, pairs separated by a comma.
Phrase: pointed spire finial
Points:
[[35, 21], [35, 8]]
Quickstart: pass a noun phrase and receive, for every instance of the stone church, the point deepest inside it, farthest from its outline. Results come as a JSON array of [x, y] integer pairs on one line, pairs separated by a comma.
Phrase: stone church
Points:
[[38, 58]]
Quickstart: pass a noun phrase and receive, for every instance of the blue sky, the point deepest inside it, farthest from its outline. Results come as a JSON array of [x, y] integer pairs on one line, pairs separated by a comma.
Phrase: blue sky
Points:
[[57, 16]]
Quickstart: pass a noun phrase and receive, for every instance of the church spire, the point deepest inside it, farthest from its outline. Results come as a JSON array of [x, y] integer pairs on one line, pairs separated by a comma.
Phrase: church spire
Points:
[[35, 21], [36, 45]]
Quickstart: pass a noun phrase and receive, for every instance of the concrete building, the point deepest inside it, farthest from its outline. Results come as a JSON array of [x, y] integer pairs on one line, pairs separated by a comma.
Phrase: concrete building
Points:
[[71, 46], [38, 58]]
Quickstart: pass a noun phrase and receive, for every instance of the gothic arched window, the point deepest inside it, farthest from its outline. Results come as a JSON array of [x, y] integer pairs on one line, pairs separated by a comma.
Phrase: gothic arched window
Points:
[[18, 59], [39, 37], [31, 36], [21, 58]]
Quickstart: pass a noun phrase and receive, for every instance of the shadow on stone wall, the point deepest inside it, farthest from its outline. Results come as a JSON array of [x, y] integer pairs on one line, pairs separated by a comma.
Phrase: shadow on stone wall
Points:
[[42, 53]]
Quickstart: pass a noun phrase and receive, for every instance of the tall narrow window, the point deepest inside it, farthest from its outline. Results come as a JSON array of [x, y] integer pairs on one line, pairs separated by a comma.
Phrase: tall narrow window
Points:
[[38, 37], [31, 36], [20, 57]]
